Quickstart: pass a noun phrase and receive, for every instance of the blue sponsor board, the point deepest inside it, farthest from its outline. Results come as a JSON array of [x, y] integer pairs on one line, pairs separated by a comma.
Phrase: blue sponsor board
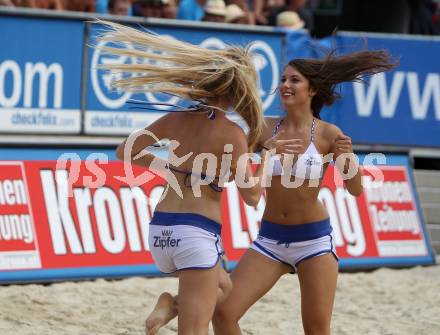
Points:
[[107, 111], [40, 75], [399, 107], [41, 84]]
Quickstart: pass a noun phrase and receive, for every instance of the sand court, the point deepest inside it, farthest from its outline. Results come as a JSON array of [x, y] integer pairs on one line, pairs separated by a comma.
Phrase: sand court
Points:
[[385, 301]]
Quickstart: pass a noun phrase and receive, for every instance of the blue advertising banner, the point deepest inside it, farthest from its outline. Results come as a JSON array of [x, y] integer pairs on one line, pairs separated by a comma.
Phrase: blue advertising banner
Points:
[[41, 83], [107, 111], [400, 107], [40, 75]]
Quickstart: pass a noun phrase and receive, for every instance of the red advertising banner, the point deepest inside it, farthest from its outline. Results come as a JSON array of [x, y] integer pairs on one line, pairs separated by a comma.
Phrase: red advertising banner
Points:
[[56, 224], [18, 240]]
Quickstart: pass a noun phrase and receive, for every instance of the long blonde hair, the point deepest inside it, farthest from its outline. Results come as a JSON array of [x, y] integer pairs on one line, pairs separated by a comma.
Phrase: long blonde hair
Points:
[[186, 70]]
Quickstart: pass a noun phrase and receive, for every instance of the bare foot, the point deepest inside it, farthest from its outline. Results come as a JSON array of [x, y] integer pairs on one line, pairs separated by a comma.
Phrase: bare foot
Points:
[[164, 311]]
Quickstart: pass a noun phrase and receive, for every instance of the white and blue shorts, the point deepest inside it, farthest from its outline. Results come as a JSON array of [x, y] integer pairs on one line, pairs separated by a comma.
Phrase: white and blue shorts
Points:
[[182, 241], [292, 244]]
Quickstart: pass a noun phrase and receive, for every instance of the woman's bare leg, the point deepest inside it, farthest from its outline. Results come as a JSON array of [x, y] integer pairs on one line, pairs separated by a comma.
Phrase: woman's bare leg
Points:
[[224, 286], [166, 307], [198, 293], [249, 284], [317, 278]]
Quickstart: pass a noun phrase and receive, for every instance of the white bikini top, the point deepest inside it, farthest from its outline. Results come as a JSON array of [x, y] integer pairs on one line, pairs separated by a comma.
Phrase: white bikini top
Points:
[[309, 165]]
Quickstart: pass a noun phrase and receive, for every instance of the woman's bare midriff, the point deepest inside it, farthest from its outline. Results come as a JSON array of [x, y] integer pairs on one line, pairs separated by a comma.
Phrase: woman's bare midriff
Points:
[[210, 206], [291, 206]]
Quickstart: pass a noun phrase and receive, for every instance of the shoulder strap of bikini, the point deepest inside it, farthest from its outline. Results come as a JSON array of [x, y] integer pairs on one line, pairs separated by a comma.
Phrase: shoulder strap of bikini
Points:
[[277, 127]]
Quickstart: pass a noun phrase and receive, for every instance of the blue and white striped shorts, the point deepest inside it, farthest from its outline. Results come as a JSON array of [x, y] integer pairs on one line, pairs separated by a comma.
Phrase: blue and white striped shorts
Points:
[[292, 244], [182, 241]]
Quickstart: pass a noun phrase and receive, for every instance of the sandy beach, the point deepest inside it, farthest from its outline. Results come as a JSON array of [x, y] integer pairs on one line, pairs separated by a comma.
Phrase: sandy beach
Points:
[[384, 302]]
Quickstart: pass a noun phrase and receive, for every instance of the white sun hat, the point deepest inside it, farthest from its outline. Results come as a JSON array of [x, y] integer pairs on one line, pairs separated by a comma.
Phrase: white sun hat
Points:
[[215, 7], [289, 19], [234, 12]]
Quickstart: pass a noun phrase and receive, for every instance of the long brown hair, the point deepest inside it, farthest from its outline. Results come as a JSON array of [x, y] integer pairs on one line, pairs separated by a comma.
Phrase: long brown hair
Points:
[[324, 74], [189, 71]]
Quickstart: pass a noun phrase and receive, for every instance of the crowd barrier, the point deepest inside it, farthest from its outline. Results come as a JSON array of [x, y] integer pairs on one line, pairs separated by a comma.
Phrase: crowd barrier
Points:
[[50, 83]]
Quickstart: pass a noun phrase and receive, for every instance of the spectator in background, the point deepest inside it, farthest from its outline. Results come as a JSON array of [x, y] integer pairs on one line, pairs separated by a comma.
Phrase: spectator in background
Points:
[[246, 8], [263, 8], [42, 4], [165, 9], [191, 10], [289, 20], [234, 14], [215, 11], [148, 8], [119, 7], [298, 6], [169, 10], [7, 3], [422, 20], [101, 6], [436, 17], [87, 6]]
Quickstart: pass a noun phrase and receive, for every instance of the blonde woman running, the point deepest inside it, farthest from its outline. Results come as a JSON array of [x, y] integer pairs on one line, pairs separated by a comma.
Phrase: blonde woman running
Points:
[[185, 229]]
